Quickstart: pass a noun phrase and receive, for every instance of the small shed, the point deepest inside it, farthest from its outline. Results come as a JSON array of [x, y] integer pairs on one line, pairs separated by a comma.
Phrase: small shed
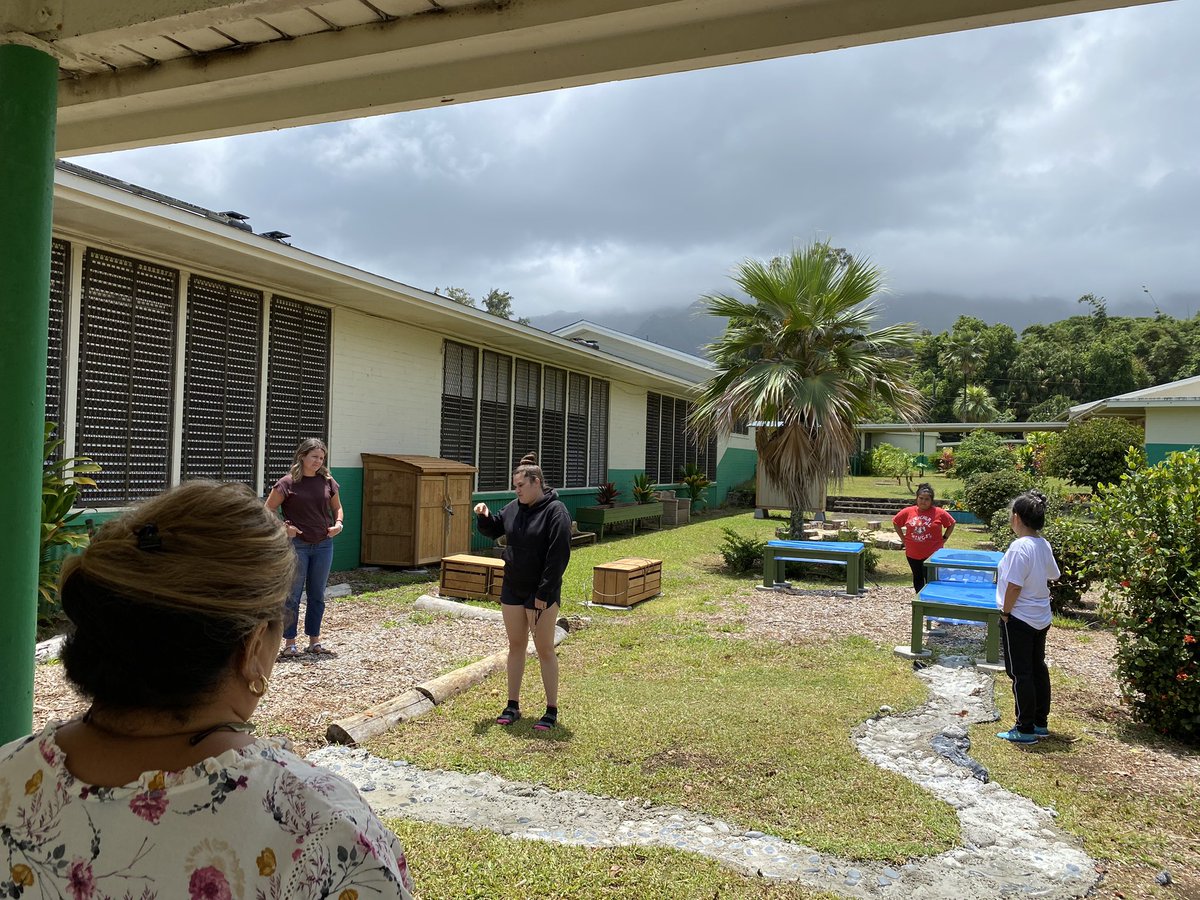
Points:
[[416, 509]]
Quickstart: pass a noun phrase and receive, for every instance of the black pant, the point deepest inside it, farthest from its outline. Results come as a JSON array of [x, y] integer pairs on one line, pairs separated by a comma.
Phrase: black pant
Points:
[[1025, 663], [918, 572]]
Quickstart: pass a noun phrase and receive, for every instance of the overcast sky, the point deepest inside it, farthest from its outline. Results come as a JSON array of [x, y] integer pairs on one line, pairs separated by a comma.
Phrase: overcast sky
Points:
[[1027, 164]]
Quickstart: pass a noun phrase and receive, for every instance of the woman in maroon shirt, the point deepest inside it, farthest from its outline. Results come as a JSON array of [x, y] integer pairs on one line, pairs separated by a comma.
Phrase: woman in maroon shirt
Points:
[[312, 517]]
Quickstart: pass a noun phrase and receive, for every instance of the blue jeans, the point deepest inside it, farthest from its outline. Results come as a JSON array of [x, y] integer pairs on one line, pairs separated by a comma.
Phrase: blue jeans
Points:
[[312, 571]]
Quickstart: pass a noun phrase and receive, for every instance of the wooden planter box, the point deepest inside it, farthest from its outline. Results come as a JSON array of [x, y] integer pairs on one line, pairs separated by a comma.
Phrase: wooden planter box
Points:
[[626, 581], [598, 516], [472, 577]]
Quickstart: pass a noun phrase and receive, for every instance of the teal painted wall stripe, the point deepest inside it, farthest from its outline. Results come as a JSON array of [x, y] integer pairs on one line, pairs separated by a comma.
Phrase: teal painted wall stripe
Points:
[[736, 466], [347, 547], [1156, 453]]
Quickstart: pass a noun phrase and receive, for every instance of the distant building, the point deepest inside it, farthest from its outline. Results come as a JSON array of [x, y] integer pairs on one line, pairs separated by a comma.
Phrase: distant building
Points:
[[1169, 412]]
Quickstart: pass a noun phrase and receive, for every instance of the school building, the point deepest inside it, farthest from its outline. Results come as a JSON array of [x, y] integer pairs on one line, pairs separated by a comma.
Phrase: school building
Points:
[[183, 345]]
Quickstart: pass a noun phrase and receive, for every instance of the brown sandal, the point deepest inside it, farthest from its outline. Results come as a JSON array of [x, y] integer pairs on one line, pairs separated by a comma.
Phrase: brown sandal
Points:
[[319, 649]]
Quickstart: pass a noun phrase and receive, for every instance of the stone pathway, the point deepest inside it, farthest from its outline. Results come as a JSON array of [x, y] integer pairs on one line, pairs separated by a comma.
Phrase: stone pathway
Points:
[[1011, 846]]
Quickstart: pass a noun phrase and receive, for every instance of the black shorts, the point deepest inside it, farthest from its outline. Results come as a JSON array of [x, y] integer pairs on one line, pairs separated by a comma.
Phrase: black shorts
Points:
[[510, 600]]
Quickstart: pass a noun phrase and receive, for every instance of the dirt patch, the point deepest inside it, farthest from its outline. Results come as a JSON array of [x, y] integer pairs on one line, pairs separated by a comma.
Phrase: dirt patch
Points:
[[382, 651]]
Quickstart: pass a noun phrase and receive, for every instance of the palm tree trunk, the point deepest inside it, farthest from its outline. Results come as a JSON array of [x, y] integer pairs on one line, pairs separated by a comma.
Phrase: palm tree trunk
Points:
[[797, 527]]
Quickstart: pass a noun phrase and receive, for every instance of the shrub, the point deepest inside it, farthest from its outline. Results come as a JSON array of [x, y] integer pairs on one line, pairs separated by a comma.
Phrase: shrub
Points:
[[1093, 452], [643, 489], [1069, 537], [986, 492], [981, 451], [741, 553], [892, 462], [945, 460], [1147, 551], [60, 534], [607, 493]]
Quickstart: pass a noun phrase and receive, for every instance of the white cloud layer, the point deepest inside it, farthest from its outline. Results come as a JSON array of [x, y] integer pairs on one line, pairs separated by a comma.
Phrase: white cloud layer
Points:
[[1044, 160]]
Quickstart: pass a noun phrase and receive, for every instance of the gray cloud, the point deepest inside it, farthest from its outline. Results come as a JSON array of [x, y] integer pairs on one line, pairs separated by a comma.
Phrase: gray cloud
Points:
[[1040, 160]]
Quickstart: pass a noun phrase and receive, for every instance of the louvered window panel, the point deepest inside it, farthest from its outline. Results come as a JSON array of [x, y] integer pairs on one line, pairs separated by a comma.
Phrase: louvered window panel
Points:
[[666, 441], [598, 445], [126, 355], [653, 417], [527, 392], [495, 417], [577, 430], [710, 462], [222, 354], [554, 427], [459, 372], [691, 447], [680, 439], [60, 267], [298, 353]]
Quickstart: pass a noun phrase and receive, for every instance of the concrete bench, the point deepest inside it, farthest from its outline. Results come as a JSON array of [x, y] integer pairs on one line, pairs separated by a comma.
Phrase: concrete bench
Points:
[[950, 601], [850, 554]]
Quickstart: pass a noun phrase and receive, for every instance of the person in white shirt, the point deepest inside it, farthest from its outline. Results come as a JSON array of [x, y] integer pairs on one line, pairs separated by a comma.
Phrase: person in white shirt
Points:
[[1023, 597]]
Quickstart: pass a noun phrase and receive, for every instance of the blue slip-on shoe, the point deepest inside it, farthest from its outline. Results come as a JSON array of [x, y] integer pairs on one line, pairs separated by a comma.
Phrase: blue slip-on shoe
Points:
[[1040, 731], [1017, 737]]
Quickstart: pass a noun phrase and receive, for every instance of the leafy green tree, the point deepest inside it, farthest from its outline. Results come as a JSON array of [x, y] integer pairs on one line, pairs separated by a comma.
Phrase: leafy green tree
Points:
[[457, 294], [1051, 409], [963, 355], [498, 303], [1094, 451], [800, 355], [981, 451], [892, 462]]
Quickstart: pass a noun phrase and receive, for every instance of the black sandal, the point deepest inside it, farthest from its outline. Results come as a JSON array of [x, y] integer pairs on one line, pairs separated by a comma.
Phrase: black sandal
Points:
[[549, 720], [511, 713]]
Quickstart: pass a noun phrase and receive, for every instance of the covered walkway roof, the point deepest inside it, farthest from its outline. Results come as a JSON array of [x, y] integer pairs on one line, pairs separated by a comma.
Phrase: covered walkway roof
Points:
[[143, 72]]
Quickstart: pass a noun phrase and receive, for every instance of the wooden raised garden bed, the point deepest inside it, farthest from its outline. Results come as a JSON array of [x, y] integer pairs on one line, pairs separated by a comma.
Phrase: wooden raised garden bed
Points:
[[598, 517]]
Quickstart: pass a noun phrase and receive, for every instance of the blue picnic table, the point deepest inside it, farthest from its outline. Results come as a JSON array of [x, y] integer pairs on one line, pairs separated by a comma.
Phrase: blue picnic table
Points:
[[851, 554], [963, 588]]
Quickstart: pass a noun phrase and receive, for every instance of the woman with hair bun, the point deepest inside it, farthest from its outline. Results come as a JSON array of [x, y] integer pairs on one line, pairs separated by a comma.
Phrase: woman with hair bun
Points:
[[160, 789], [537, 527], [924, 528], [1023, 596]]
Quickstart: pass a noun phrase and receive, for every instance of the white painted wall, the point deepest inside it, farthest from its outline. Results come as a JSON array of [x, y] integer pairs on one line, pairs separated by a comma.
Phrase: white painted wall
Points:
[[386, 389], [905, 440], [1166, 425], [626, 426]]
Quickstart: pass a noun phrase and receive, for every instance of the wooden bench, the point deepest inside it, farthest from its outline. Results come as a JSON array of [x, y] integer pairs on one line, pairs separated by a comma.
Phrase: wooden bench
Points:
[[597, 517], [947, 601], [851, 554]]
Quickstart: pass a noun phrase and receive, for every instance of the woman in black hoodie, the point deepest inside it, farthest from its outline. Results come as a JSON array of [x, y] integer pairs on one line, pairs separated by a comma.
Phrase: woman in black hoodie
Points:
[[538, 531]]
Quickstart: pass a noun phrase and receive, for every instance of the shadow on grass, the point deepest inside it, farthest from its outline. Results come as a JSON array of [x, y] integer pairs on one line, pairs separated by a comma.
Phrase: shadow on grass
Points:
[[523, 728]]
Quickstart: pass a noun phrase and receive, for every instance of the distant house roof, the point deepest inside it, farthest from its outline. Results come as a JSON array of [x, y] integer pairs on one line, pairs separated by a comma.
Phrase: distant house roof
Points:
[[637, 350], [1183, 393]]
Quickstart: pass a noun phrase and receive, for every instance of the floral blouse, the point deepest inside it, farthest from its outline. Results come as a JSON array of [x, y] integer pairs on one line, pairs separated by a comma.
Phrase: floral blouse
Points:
[[258, 823]]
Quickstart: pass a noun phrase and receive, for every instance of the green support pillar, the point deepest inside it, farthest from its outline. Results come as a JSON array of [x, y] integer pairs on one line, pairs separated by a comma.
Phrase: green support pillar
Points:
[[28, 105]]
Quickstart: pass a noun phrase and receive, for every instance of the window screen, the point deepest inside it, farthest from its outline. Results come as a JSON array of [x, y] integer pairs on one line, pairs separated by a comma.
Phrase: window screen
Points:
[[554, 427], [653, 417], [527, 392], [126, 355], [459, 370], [60, 268], [577, 430], [297, 381], [495, 416], [598, 445], [223, 343]]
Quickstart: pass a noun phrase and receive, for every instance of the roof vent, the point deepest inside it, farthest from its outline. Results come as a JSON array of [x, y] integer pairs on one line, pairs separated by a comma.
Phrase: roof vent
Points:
[[595, 345], [274, 235], [236, 219]]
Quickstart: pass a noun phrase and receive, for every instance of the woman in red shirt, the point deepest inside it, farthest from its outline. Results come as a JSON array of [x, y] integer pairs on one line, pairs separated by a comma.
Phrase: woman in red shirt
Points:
[[921, 527]]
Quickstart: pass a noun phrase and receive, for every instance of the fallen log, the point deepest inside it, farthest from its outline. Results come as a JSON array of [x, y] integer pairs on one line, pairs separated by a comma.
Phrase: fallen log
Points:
[[378, 718], [381, 717], [426, 603]]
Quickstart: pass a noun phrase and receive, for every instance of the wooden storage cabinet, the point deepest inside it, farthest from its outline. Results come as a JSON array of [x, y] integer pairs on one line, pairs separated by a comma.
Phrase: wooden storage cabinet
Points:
[[626, 581], [416, 509], [473, 577]]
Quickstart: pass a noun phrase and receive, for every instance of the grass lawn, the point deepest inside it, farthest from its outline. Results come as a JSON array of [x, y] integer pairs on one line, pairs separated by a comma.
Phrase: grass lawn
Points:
[[668, 702]]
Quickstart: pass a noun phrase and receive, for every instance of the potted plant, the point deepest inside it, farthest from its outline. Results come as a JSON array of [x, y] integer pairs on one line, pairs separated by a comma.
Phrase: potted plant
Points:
[[696, 483], [643, 489], [61, 533], [606, 494]]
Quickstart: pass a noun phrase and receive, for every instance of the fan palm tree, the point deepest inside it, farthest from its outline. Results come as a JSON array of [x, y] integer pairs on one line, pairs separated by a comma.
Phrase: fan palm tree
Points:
[[964, 354], [799, 357], [976, 406]]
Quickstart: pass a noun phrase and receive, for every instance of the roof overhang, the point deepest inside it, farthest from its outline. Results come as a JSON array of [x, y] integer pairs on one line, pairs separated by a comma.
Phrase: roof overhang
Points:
[[144, 72], [1131, 407], [928, 427], [110, 217]]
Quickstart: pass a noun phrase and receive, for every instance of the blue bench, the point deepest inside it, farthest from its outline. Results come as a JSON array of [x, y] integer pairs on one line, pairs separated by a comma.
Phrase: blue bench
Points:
[[950, 600], [851, 554], [963, 565]]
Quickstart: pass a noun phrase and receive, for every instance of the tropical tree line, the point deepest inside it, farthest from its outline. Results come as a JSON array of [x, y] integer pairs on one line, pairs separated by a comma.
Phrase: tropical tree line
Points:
[[977, 372]]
